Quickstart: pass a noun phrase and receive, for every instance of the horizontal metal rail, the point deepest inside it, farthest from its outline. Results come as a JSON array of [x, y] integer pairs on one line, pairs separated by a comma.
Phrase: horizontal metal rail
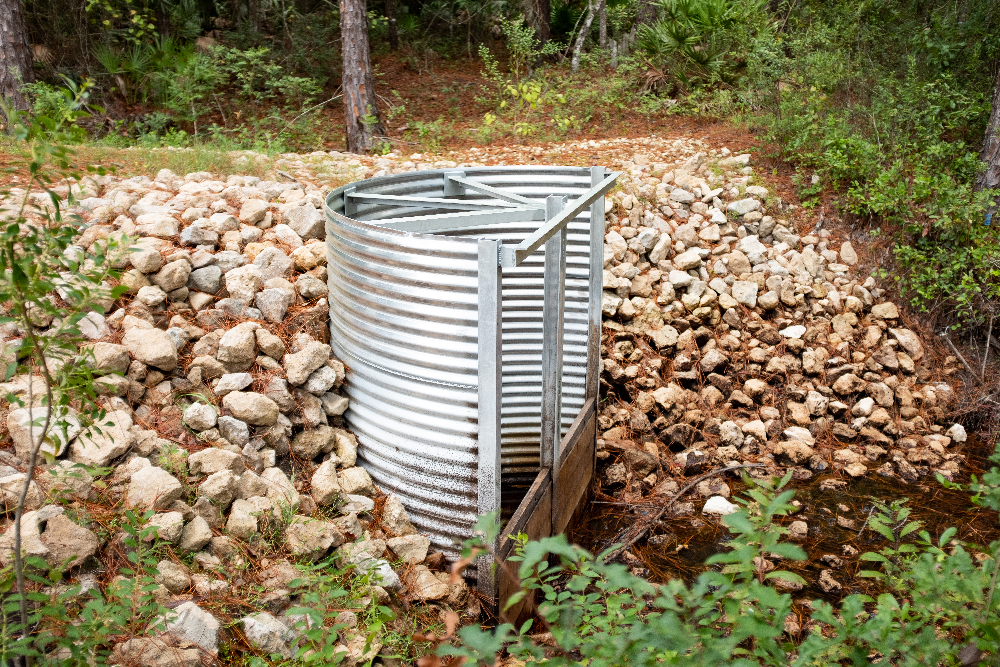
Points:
[[511, 256], [429, 224], [427, 202], [458, 178]]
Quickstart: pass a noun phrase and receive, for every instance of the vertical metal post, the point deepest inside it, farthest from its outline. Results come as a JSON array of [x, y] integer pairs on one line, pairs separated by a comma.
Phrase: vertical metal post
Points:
[[597, 175], [490, 392], [451, 188], [554, 287], [350, 208]]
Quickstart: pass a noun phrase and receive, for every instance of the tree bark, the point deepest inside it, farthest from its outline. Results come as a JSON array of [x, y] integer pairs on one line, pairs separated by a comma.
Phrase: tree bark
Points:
[[991, 146], [538, 14], [15, 55], [602, 19], [645, 14], [582, 36], [360, 108], [390, 14]]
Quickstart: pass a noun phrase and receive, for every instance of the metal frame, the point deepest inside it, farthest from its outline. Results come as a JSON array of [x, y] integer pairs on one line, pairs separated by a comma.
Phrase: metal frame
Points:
[[547, 504]]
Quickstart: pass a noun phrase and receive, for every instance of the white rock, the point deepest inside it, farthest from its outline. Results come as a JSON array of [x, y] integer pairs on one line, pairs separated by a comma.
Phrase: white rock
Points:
[[796, 331], [190, 622], [719, 506], [200, 416], [153, 488], [957, 433]]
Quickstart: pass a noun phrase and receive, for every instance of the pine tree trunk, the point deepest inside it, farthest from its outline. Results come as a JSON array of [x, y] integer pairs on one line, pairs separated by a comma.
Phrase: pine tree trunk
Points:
[[15, 54], [360, 110], [991, 146], [538, 14], [390, 13]]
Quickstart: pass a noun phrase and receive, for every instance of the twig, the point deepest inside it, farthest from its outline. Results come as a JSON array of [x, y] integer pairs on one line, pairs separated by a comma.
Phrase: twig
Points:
[[289, 124], [866, 522], [289, 177], [961, 358], [648, 524], [986, 352]]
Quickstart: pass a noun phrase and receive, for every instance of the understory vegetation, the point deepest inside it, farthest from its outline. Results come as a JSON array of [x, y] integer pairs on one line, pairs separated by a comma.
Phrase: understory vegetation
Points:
[[939, 604]]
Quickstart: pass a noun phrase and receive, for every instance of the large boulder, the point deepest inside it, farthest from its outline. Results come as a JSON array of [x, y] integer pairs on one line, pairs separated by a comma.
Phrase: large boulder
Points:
[[52, 536]]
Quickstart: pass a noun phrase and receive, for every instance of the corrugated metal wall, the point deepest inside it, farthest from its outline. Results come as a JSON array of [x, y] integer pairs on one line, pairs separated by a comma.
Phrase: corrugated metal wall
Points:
[[403, 314]]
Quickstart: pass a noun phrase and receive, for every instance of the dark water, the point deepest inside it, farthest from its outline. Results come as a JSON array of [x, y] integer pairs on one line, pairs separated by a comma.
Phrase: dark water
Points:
[[688, 541]]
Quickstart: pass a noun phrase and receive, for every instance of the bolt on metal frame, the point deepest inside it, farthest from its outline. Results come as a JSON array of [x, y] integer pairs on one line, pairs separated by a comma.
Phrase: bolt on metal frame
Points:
[[403, 214]]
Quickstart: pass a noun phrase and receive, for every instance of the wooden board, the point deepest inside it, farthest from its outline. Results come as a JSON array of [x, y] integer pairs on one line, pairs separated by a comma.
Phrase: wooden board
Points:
[[533, 518], [576, 467]]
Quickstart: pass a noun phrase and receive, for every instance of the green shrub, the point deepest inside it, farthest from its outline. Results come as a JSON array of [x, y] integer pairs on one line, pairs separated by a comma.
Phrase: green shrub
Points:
[[939, 600]]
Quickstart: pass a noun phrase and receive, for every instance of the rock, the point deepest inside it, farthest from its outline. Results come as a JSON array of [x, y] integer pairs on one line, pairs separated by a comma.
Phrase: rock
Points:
[[238, 346], [168, 525], [828, 583], [356, 481], [152, 488], [25, 426], [325, 483], [251, 407], [299, 366], [175, 578], [395, 520], [689, 259], [231, 382], [306, 221], [424, 586], [334, 404], [310, 443], [196, 535], [273, 263], [67, 478], [411, 549], [743, 206], [269, 634], [311, 538], [957, 433], [154, 652], [110, 358], [153, 347], [273, 304], [200, 416], [220, 488], [173, 275], [909, 342], [280, 490], [207, 279], [253, 211], [885, 311], [713, 360], [190, 622], [847, 254], [156, 224], [234, 430], [244, 282], [745, 293], [849, 384], [48, 534], [270, 344], [719, 506], [242, 522], [310, 287], [99, 449], [798, 530]]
